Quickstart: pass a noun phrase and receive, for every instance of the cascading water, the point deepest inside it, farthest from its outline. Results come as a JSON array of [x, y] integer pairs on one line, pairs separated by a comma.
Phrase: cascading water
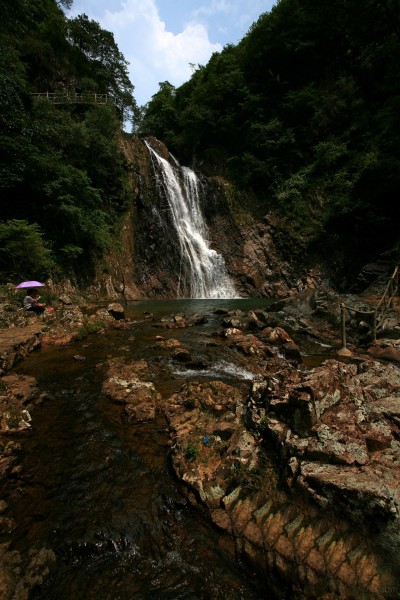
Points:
[[203, 272]]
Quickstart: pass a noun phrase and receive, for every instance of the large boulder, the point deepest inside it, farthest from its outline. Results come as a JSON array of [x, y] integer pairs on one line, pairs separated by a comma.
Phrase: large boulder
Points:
[[302, 471], [204, 419], [16, 343]]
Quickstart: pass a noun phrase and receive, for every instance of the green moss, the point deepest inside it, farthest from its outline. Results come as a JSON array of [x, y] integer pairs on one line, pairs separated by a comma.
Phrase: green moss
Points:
[[191, 452], [87, 328]]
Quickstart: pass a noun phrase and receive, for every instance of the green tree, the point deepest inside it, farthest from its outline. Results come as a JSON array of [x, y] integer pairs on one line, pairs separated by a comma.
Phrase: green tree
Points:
[[60, 164], [100, 60], [304, 113], [160, 113], [24, 254], [73, 210]]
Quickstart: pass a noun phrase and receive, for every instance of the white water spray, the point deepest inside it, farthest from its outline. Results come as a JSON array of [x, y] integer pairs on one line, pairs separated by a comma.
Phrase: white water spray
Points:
[[203, 270]]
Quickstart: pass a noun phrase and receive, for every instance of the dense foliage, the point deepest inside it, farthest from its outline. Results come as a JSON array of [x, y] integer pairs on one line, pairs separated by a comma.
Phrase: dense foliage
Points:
[[63, 181], [302, 116], [305, 113]]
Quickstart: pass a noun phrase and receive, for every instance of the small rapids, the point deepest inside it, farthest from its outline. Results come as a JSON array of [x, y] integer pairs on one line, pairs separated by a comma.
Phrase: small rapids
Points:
[[222, 370]]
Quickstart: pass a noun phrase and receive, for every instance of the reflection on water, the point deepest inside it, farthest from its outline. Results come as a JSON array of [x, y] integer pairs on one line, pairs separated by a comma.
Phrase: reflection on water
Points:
[[208, 307], [98, 490]]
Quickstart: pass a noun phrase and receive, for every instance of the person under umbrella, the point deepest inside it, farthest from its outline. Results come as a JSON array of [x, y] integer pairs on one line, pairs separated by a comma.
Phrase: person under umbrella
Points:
[[31, 301]]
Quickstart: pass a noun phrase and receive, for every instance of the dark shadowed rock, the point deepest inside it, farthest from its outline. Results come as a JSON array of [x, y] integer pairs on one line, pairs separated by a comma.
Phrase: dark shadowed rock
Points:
[[116, 310]]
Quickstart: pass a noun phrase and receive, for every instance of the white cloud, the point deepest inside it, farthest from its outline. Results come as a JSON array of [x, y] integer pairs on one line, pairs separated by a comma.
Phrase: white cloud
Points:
[[216, 6], [154, 53], [238, 15]]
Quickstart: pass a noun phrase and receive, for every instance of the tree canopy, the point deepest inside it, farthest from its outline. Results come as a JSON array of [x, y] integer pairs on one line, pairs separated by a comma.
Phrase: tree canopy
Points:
[[302, 117], [61, 170], [304, 113]]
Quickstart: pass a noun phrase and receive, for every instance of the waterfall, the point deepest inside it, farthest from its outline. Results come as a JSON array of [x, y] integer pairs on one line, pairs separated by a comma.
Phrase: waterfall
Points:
[[203, 272]]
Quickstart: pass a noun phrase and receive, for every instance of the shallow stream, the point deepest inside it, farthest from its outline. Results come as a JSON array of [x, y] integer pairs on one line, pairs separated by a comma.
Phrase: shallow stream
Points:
[[98, 490]]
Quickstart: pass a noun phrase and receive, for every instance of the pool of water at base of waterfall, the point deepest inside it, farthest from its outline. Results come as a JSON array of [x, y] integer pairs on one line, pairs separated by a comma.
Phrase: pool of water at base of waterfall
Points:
[[99, 491]]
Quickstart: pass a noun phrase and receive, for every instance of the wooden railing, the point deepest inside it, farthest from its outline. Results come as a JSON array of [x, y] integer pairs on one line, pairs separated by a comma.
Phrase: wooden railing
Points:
[[386, 301], [73, 98], [376, 316]]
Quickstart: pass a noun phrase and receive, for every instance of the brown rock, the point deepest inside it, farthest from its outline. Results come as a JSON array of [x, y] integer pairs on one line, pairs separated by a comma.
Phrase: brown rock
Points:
[[303, 542], [363, 490], [221, 519], [124, 385], [17, 342], [241, 514], [316, 561], [250, 345], [284, 547], [253, 534], [388, 353], [181, 355], [273, 528], [180, 321]]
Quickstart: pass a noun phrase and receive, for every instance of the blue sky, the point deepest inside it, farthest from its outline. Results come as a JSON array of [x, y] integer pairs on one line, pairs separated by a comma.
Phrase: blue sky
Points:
[[161, 38]]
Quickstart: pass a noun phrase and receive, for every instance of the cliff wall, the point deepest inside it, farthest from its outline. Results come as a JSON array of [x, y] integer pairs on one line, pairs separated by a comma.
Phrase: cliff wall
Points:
[[145, 258]]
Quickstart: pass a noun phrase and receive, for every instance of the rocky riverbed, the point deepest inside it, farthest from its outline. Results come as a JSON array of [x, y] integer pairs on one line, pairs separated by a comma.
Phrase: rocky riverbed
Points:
[[299, 465]]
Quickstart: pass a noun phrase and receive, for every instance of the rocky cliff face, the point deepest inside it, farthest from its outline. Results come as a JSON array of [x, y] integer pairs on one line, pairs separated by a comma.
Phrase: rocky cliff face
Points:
[[146, 262]]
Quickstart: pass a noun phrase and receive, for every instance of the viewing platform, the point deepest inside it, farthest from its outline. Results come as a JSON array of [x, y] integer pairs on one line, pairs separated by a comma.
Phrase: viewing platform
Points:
[[72, 98]]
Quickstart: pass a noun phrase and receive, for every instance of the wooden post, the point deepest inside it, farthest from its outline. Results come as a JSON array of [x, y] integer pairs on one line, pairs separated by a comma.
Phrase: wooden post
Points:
[[391, 293], [344, 351], [374, 327]]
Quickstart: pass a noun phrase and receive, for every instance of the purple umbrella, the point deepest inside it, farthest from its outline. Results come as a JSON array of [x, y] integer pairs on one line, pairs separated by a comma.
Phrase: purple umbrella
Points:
[[29, 284]]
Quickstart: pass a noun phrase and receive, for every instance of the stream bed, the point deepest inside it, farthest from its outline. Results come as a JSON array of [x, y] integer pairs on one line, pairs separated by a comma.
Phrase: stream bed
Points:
[[98, 490]]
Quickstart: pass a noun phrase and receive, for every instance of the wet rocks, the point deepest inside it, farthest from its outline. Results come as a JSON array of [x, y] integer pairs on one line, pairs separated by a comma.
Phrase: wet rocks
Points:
[[125, 384], [17, 343], [181, 355], [168, 344], [250, 345], [205, 421], [280, 338], [20, 575], [386, 349], [258, 340], [18, 393], [181, 321], [302, 471], [116, 310]]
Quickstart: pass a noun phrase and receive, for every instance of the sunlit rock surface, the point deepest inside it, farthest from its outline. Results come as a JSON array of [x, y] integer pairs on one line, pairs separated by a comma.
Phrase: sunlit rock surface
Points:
[[303, 471]]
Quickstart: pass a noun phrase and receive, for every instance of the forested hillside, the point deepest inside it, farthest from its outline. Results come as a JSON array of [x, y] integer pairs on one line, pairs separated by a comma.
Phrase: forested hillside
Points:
[[303, 114], [301, 118], [63, 180]]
